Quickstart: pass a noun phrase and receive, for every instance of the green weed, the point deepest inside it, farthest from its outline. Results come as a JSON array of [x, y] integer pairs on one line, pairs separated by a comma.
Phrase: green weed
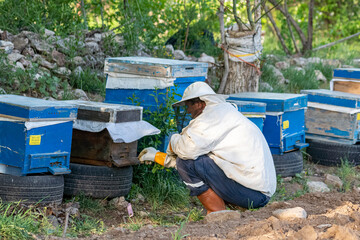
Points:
[[88, 81], [134, 224], [161, 187], [177, 235], [196, 214], [84, 226], [31, 81], [347, 174]]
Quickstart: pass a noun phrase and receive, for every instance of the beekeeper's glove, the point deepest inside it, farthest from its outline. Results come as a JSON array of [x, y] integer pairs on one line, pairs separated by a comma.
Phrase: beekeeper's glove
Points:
[[150, 155]]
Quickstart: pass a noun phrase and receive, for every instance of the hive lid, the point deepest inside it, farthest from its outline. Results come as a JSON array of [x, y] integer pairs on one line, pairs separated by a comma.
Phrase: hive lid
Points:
[[249, 107], [275, 102], [155, 67], [106, 112], [336, 98], [349, 73], [34, 109]]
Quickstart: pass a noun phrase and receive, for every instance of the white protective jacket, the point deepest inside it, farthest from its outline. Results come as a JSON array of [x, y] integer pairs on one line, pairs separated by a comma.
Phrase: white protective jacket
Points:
[[235, 144]]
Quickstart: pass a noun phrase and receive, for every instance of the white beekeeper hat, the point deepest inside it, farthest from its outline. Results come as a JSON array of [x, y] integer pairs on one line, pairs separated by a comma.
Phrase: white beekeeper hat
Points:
[[196, 89]]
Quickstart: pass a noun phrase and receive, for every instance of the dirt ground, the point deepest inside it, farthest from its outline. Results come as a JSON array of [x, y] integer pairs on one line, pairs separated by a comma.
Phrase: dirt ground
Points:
[[332, 215]]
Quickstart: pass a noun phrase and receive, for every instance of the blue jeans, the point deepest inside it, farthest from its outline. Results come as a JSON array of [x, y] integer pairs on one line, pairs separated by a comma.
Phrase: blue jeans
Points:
[[202, 173]]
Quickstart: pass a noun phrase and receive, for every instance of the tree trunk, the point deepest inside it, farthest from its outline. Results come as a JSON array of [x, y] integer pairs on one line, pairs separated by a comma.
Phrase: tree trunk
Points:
[[242, 78], [310, 26]]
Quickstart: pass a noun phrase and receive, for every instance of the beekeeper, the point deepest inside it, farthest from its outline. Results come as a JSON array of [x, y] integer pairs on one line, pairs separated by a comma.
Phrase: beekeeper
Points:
[[221, 156]]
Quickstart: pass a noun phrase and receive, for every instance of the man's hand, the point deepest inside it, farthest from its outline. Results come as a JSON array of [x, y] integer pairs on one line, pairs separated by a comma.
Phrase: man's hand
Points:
[[147, 155]]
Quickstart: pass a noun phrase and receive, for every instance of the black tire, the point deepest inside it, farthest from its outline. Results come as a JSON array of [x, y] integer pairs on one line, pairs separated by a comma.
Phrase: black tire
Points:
[[330, 154], [98, 181], [288, 164], [32, 189]]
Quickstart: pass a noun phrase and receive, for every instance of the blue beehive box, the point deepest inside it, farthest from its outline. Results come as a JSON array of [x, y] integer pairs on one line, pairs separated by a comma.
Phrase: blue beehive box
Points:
[[137, 78], [333, 116], [284, 125], [254, 111], [35, 135]]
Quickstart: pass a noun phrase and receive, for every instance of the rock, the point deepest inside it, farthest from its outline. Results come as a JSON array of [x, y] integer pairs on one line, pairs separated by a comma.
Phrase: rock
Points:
[[49, 33], [333, 180], [314, 60], [90, 39], [356, 61], [25, 62], [322, 226], [290, 213], [347, 66], [317, 186], [300, 62], [62, 46], [119, 40], [119, 203], [282, 65], [272, 58], [307, 232], [20, 43], [207, 59], [6, 46], [332, 62], [19, 65], [170, 49], [179, 55], [53, 220], [266, 86], [90, 60], [92, 47], [14, 57], [39, 44], [80, 94], [140, 198], [78, 60], [47, 64], [299, 69], [279, 76], [78, 71], [16, 84], [97, 37], [143, 214], [287, 179], [320, 76], [63, 71], [222, 216], [28, 51], [58, 57]]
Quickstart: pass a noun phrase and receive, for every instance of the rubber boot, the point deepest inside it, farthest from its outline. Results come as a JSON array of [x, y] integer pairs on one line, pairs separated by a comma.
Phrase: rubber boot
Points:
[[211, 201]]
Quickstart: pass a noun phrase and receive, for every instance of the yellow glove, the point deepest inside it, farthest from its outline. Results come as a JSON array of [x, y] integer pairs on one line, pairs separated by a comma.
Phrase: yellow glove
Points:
[[150, 154]]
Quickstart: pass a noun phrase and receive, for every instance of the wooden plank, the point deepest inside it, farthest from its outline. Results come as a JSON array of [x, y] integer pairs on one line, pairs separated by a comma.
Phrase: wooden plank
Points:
[[90, 162], [347, 86], [100, 147]]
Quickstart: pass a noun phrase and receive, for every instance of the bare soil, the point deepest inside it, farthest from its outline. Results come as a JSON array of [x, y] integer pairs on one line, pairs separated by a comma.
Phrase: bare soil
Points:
[[332, 215]]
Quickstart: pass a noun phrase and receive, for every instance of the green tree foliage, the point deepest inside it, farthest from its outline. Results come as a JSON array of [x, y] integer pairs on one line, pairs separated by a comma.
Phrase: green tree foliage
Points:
[[36, 15]]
